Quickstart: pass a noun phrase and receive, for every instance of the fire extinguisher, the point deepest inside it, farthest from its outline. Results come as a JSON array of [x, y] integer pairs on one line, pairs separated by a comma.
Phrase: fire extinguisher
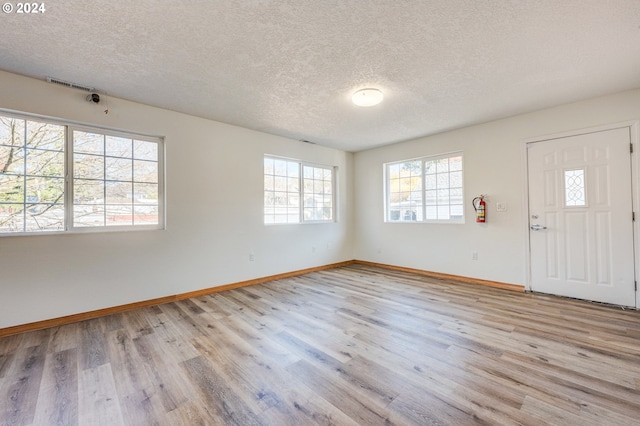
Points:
[[480, 207]]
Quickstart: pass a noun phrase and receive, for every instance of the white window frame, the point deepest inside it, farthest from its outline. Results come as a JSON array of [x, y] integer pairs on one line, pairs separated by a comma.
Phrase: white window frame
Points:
[[421, 216], [69, 127], [301, 193]]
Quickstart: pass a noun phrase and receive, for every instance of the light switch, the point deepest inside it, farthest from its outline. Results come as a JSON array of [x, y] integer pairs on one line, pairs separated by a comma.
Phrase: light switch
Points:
[[501, 206]]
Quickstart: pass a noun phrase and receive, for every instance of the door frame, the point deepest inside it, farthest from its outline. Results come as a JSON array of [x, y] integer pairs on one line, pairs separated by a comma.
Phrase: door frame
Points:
[[634, 134]]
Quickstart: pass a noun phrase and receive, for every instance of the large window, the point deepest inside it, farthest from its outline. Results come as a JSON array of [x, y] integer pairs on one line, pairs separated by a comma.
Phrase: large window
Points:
[[296, 192], [112, 179], [425, 189]]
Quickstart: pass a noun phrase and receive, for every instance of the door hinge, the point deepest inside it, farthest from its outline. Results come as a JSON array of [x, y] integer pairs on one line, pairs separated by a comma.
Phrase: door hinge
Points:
[[635, 285], [633, 216], [631, 148]]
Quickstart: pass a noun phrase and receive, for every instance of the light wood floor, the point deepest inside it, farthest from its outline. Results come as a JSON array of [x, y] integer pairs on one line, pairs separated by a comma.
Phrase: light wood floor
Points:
[[353, 345]]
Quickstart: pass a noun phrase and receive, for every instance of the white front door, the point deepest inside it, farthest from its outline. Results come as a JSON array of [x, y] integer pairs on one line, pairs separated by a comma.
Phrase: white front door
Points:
[[580, 217]]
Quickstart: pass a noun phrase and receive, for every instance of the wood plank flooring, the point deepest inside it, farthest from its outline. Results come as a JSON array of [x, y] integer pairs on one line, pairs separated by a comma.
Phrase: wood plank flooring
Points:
[[346, 346]]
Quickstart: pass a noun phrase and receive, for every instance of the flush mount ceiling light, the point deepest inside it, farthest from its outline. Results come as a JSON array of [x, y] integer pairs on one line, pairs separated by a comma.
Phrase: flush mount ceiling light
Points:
[[367, 97]]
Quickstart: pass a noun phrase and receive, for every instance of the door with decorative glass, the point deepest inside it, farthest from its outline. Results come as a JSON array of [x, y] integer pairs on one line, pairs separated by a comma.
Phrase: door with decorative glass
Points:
[[580, 217]]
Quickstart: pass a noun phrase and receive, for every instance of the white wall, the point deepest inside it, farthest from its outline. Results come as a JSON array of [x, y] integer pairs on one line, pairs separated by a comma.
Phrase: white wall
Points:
[[214, 216], [493, 164]]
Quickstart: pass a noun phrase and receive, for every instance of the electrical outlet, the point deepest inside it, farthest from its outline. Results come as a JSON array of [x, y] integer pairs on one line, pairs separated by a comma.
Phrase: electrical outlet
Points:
[[501, 206], [252, 257], [313, 249], [474, 255]]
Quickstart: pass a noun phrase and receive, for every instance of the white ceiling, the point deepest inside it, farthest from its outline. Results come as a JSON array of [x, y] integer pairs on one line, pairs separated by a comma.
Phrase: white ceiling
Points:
[[289, 67]]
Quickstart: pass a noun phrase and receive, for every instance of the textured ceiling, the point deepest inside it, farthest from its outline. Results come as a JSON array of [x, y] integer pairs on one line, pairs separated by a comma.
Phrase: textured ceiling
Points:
[[289, 67]]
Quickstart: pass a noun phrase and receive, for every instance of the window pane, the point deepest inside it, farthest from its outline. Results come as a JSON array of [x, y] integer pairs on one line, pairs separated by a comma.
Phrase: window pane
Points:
[[442, 166], [45, 136], [119, 193], [410, 215], [119, 214], [394, 185], [143, 150], [31, 173], [283, 189], [280, 183], [12, 159], [44, 217], [293, 184], [456, 179], [118, 147], [11, 189], [431, 212], [88, 191], [455, 196], [442, 182], [124, 182], [280, 198], [45, 190], [294, 200], [456, 211], [280, 167], [145, 193], [309, 213], [33, 160], [430, 181], [293, 170], [88, 215], [145, 171], [268, 166], [88, 143], [145, 215], [443, 212], [307, 172], [430, 167], [12, 217], [11, 131], [327, 213], [574, 188], [442, 196], [404, 186], [269, 199], [45, 163], [118, 169], [269, 183], [317, 193], [455, 163], [88, 166]]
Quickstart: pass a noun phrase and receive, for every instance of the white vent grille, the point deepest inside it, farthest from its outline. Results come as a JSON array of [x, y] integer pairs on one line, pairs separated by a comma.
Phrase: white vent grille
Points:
[[70, 85]]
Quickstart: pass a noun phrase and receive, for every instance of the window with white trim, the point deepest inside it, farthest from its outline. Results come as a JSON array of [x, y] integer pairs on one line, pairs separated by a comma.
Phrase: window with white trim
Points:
[[57, 177], [427, 189], [297, 192]]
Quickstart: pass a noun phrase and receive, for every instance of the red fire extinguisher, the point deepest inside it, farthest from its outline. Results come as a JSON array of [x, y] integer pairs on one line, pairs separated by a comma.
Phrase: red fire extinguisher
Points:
[[480, 207]]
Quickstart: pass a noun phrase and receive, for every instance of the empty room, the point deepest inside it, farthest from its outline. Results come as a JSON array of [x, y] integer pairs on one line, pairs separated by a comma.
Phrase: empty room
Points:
[[334, 212]]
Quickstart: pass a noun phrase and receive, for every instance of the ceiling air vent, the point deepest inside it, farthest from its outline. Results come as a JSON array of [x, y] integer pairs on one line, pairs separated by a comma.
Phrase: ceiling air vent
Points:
[[69, 84]]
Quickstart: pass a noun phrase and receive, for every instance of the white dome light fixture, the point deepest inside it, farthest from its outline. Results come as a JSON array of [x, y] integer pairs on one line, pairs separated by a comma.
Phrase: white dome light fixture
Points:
[[367, 97]]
